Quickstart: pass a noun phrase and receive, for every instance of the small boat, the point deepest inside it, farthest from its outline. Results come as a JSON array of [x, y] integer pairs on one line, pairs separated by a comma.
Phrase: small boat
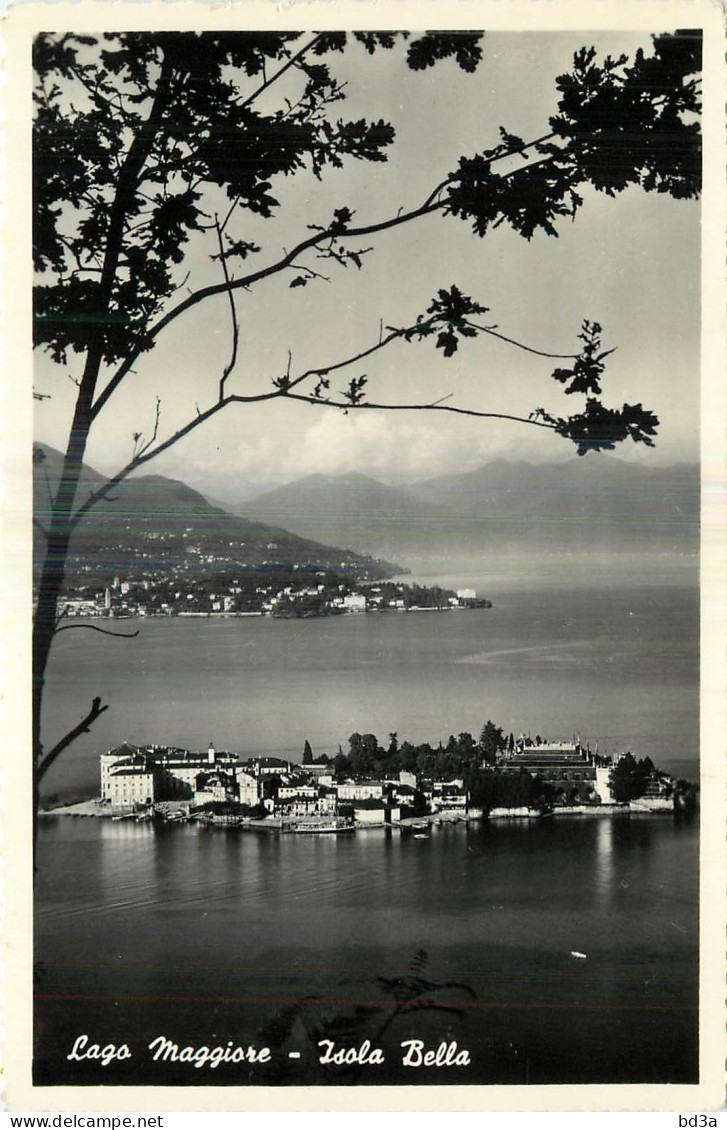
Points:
[[317, 827], [580, 956], [421, 836]]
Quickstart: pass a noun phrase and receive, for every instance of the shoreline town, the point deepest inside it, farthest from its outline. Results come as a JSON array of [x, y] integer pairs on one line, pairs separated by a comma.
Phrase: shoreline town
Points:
[[529, 779], [260, 594]]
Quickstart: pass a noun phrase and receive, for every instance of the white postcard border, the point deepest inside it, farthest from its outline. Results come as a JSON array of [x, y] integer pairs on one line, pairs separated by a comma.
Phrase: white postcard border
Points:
[[22, 22]]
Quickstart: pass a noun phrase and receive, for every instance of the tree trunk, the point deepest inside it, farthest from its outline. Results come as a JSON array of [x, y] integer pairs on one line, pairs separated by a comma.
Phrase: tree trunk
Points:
[[54, 565], [61, 526]]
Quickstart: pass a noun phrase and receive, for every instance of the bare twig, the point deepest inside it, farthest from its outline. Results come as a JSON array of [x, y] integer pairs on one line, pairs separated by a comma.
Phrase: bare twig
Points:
[[310, 273], [154, 434], [278, 74], [435, 406], [528, 349], [83, 727], [233, 312], [227, 218], [326, 370], [147, 455], [183, 283]]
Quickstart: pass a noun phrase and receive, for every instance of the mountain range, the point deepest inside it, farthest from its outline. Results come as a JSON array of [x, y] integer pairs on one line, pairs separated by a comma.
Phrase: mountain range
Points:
[[592, 505], [151, 524]]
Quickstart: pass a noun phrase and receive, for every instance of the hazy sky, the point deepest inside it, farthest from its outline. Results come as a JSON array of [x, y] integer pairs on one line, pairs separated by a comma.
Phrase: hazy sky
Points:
[[631, 263]]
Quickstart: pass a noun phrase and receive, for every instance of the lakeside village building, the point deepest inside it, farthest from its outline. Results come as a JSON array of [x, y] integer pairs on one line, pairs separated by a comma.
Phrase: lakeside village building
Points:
[[141, 597], [134, 777]]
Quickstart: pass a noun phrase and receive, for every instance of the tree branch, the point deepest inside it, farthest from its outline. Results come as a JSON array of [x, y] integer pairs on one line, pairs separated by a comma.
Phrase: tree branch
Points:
[[83, 727], [278, 74], [429, 207], [233, 312], [248, 280], [266, 84], [325, 370], [436, 406], [283, 393], [519, 345], [145, 456], [493, 160], [154, 434], [284, 389], [94, 628]]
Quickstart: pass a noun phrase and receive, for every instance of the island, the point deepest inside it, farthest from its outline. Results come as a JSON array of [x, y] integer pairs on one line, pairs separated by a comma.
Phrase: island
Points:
[[402, 785]]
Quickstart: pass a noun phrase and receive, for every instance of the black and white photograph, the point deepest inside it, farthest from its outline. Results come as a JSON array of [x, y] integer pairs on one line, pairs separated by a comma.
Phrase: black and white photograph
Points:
[[367, 442]]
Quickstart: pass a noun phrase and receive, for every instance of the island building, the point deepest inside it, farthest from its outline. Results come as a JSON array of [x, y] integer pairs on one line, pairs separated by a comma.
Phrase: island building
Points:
[[296, 800], [134, 777], [564, 765], [360, 790], [354, 602], [264, 766], [373, 811], [137, 775]]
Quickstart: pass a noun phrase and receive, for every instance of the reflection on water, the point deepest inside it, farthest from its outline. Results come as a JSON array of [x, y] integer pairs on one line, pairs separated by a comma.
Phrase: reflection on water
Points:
[[218, 934], [604, 857]]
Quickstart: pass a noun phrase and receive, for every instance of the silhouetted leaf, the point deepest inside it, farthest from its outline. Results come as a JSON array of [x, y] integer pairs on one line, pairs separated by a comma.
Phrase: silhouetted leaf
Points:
[[463, 46]]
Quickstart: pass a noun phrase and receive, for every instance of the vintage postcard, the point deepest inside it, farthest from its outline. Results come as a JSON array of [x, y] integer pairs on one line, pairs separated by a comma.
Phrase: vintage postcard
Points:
[[364, 557]]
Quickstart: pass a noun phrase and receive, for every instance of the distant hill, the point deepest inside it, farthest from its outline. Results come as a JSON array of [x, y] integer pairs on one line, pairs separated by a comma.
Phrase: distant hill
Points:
[[601, 499], [151, 523], [352, 510], [592, 505]]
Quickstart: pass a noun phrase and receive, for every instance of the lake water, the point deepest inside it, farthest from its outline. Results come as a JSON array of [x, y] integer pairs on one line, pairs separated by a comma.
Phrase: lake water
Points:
[[205, 936], [208, 936], [614, 659]]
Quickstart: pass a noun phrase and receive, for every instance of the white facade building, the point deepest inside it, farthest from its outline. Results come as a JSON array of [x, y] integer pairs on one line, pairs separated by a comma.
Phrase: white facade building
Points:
[[360, 790], [247, 788], [603, 784]]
